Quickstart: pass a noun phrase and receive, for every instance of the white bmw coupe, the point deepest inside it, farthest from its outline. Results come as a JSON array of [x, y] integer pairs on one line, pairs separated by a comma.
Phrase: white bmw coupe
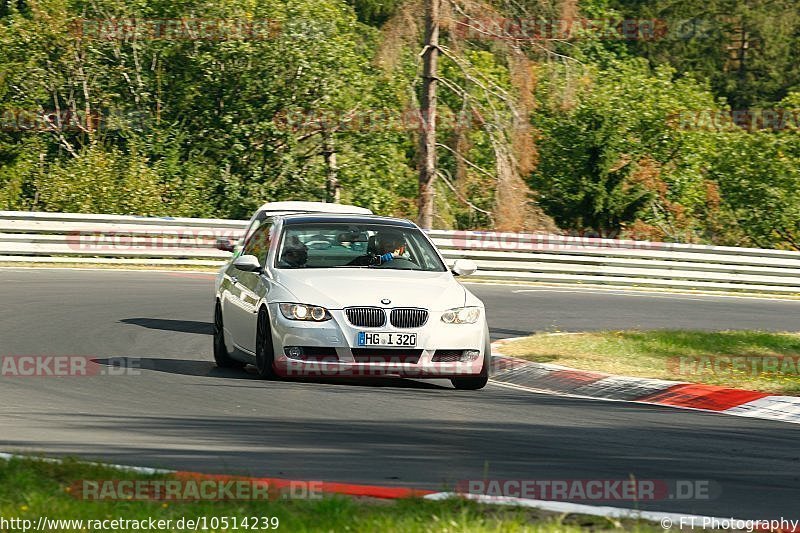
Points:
[[321, 294]]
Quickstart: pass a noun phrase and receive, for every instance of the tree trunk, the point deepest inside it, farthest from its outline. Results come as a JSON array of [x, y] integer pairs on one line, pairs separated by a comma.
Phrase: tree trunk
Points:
[[332, 187], [427, 144]]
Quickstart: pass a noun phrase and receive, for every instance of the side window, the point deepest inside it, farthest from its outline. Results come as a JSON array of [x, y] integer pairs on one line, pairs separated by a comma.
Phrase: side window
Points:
[[258, 243], [252, 228]]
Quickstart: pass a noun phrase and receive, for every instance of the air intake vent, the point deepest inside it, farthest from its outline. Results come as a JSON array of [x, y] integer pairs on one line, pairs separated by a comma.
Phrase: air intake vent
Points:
[[447, 356], [366, 317], [408, 318]]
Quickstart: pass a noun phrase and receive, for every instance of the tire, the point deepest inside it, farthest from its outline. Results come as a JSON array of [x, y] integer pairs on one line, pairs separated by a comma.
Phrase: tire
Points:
[[265, 352], [477, 382], [221, 355]]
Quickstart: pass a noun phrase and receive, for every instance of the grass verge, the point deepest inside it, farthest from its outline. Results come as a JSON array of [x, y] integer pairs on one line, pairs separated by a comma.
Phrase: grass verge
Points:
[[754, 360], [32, 488]]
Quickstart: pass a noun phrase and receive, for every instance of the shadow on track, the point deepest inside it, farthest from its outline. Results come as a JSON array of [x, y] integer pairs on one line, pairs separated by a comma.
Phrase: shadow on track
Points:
[[182, 326], [533, 437], [184, 367], [207, 328], [502, 333], [189, 367]]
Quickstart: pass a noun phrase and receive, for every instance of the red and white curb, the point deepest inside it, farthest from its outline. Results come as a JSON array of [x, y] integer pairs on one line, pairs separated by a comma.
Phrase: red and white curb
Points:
[[349, 489], [666, 520], [556, 379]]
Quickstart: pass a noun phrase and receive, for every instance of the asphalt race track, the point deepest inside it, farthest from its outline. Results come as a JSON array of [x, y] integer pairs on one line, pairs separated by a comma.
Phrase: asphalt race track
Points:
[[179, 411]]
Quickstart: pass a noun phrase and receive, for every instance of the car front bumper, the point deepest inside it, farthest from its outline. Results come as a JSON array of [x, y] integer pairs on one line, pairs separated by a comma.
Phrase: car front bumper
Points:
[[330, 349]]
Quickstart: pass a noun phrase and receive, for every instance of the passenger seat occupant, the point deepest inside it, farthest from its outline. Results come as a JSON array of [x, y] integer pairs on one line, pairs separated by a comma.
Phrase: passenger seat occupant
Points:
[[295, 253]]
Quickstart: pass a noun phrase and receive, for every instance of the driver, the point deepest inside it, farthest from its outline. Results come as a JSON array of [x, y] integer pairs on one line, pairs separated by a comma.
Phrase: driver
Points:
[[295, 253], [389, 245]]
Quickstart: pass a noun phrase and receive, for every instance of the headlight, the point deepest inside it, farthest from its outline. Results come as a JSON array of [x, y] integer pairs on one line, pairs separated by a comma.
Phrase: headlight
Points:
[[311, 313], [461, 315]]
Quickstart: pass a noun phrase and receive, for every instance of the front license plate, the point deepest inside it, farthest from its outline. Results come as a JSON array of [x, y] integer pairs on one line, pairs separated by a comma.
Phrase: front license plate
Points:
[[366, 338]]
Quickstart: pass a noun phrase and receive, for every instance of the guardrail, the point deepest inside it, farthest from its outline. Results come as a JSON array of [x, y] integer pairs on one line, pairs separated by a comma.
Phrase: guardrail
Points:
[[27, 237]]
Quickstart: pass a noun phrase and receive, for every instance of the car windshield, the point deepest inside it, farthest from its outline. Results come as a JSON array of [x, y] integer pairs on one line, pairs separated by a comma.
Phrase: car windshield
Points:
[[346, 245]]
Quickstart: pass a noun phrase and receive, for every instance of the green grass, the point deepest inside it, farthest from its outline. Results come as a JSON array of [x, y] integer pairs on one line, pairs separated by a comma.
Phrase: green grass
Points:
[[694, 356], [32, 488]]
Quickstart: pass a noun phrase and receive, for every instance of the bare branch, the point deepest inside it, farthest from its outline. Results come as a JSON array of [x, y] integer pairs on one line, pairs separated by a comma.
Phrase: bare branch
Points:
[[461, 197], [465, 160]]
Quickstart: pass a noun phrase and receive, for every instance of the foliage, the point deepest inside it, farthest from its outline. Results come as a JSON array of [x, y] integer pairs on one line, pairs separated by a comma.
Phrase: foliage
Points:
[[611, 154], [194, 126], [747, 50], [759, 178], [629, 136]]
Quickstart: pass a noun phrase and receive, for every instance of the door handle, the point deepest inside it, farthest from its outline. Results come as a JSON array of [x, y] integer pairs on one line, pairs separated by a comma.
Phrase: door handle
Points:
[[234, 279]]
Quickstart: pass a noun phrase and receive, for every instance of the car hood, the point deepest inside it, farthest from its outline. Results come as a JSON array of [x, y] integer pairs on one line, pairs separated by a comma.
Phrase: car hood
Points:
[[339, 288]]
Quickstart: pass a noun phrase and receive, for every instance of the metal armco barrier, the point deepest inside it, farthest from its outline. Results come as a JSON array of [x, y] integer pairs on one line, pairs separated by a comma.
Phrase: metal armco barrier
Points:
[[27, 237]]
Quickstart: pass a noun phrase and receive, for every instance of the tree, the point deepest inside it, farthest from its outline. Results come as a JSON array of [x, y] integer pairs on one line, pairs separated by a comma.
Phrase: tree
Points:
[[207, 116], [427, 143], [613, 151], [497, 105], [746, 49], [759, 179]]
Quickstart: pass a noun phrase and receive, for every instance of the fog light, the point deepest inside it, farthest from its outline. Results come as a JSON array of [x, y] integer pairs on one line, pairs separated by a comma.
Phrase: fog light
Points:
[[470, 355], [294, 352]]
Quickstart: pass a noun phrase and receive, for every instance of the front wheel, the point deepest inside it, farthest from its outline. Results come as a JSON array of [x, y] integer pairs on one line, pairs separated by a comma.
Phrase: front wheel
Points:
[[221, 355], [265, 353], [476, 383]]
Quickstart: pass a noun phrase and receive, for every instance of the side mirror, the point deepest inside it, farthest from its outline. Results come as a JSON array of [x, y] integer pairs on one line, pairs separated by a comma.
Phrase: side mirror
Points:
[[464, 267], [247, 263], [224, 244]]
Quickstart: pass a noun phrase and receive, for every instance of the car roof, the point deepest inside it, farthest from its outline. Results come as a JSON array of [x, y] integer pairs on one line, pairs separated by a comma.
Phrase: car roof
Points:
[[274, 208], [311, 218]]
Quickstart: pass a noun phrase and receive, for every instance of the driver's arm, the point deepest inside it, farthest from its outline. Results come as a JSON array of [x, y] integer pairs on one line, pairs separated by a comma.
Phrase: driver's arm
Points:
[[389, 256]]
